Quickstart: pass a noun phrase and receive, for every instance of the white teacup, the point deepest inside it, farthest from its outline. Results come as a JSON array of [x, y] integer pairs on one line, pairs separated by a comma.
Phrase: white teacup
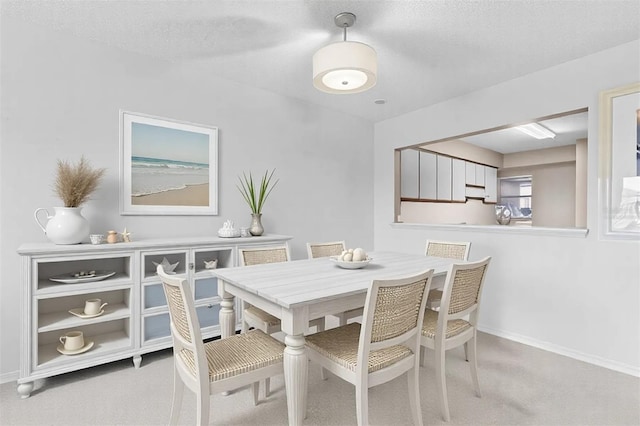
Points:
[[96, 238], [72, 340], [93, 306]]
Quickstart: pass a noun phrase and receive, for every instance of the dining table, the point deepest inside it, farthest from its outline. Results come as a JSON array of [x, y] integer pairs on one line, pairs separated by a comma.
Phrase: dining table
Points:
[[301, 290]]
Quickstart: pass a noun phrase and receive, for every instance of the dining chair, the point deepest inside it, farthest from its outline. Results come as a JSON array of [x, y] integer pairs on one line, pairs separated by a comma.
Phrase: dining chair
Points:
[[253, 317], [458, 250], [215, 366], [386, 344], [335, 248], [455, 324]]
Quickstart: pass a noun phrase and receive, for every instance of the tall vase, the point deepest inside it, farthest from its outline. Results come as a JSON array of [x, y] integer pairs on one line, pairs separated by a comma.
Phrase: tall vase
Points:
[[66, 226], [256, 228]]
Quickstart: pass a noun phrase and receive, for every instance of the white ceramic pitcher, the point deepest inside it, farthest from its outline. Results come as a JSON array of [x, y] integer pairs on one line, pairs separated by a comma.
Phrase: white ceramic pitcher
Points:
[[67, 226]]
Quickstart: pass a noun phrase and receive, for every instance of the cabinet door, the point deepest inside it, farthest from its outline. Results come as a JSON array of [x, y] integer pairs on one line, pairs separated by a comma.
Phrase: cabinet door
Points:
[[470, 173], [428, 177], [458, 180], [480, 174], [491, 185], [409, 160], [444, 178]]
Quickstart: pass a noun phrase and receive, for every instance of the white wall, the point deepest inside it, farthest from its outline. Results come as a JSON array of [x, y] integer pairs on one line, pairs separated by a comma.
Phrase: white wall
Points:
[[61, 98], [576, 296]]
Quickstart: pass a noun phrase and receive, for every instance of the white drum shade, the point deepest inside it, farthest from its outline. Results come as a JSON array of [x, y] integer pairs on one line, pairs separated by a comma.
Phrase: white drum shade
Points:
[[345, 67]]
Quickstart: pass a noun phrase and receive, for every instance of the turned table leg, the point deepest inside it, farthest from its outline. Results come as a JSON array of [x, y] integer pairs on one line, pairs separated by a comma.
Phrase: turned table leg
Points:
[[296, 376], [227, 316]]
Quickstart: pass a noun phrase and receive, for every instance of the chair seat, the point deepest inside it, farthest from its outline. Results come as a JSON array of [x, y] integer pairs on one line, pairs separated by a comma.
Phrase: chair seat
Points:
[[253, 314], [341, 346], [237, 354], [430, 324]]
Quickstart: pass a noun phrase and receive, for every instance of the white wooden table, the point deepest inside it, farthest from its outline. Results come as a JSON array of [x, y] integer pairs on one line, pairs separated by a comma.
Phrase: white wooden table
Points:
[[301, 290]]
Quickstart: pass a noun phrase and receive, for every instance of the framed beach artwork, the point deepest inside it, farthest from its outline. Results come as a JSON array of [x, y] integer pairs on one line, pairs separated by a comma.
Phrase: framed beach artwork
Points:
[[167, 167]]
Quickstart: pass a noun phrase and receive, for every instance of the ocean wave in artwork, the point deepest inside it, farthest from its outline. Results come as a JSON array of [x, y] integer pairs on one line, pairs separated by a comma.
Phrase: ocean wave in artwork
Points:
[[152, 176]]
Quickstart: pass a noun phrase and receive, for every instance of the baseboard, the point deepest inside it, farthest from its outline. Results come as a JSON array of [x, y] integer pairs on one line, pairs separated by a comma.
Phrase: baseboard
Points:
[[561, 350], [9, 377]]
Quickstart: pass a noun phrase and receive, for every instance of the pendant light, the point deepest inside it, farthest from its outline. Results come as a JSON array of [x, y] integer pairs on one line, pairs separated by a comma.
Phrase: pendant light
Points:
[[346, 66]]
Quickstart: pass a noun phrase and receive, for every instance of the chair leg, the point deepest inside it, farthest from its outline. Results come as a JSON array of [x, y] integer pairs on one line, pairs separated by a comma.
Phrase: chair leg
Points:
[[466, 351], [414, 395], [178, 393], [442, 383], [473, 363], [202, 408], [255, 389], [423, 356], [362, 404], [342, 319], [324, 374], [267, 384]]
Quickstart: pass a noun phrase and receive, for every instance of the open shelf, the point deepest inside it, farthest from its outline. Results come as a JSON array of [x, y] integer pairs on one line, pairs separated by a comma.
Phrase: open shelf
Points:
[[104, 343]]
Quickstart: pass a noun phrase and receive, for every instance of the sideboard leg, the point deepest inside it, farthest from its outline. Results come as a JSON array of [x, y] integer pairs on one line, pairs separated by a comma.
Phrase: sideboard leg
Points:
[[137, 361], [24, 389]]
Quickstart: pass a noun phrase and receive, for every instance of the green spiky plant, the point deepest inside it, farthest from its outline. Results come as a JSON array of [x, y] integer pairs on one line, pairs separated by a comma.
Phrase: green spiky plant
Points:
[[255, 195]]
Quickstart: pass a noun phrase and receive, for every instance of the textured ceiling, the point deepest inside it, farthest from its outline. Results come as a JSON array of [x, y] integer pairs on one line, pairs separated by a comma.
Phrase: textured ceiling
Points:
[[428, 51]]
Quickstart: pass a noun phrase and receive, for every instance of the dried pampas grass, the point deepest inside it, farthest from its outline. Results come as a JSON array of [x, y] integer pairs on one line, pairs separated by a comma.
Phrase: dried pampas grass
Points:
[[76, 182]]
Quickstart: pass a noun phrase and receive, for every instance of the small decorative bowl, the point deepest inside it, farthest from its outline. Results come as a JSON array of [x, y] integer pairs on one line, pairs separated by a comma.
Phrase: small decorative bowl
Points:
[[350, 265], [228, 233]]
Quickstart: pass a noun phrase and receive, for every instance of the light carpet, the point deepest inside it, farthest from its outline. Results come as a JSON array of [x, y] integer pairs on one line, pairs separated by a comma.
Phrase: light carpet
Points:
[[521, 385]]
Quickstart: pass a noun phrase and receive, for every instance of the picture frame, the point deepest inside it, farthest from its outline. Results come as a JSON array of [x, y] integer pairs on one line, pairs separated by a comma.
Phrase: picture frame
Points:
[[619, 162], [167, 167]]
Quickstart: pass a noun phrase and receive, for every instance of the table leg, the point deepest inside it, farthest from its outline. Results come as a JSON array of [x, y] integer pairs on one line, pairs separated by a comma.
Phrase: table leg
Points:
[[227, 316], [296, 377]]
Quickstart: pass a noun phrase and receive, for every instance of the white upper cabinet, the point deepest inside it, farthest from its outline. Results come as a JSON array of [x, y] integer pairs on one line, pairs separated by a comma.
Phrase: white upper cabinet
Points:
[[444, 178], [480, 174], [409, 166], [470, 173], [491, 185], [458, 180], [474, 174], [428, 175]]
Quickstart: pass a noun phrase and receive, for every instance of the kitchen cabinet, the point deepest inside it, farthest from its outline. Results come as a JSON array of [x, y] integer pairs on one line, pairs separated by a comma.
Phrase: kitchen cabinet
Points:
[[458, 180], [136, 318], [480, 168], [409, 173], [444, 178], [491, 185], [428, 176], [474, 174]]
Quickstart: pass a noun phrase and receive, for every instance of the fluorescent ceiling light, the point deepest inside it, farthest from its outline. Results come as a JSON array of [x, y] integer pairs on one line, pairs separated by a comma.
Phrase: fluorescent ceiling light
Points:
[[537, 131]]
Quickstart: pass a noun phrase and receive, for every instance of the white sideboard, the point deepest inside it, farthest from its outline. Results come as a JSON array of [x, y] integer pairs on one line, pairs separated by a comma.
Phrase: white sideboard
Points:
[[136, 319]]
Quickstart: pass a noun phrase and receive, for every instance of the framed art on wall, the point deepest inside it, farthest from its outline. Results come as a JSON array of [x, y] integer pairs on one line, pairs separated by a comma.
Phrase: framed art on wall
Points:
[[619, 172], [167, 167]]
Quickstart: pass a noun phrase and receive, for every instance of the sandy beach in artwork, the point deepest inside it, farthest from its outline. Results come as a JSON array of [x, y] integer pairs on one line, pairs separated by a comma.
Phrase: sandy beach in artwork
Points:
[[192, 195]]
